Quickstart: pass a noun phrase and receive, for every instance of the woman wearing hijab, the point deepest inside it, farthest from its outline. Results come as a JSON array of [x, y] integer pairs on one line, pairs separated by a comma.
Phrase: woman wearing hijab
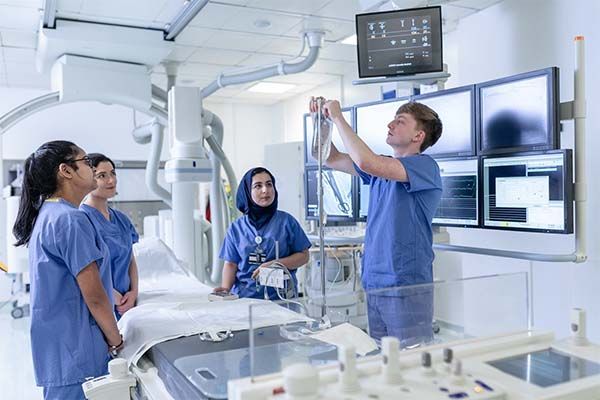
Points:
[[250, 241]]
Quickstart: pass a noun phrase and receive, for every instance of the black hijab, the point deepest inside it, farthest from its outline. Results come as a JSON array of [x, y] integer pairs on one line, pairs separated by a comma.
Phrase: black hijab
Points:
[[257, 215]]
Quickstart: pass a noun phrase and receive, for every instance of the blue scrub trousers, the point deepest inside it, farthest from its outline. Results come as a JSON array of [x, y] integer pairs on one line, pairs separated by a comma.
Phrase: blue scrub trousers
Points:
[[70, 392], [406, 315]]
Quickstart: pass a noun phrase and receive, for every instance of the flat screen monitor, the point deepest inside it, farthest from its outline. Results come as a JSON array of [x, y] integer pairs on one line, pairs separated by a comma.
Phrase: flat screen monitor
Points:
[[459, 203], [362, 199], [519, 113], [547, 368], [530, 192], [336, 138], [399, 42], [456, 109], [372, 121], [337, 195]]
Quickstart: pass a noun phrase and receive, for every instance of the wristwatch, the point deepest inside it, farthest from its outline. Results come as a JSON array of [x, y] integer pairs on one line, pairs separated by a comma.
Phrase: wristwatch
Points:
[[113, 349]]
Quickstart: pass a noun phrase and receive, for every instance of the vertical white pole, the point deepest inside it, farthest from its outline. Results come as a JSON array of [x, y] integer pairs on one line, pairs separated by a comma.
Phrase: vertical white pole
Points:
[[579, 115]]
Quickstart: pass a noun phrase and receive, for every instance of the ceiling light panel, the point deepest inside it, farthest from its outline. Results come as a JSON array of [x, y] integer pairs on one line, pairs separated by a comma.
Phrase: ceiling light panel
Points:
[[271, 87]]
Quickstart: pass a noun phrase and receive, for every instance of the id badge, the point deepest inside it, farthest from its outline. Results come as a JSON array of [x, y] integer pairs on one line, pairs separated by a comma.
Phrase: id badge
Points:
[[257, 258]]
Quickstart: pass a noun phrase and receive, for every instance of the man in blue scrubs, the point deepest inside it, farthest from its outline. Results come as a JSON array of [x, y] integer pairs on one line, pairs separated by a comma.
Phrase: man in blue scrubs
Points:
[[250, 241], [405, 191]]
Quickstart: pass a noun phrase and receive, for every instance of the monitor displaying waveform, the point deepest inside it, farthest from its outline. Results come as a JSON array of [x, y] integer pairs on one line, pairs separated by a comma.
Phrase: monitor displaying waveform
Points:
[[459, 202]]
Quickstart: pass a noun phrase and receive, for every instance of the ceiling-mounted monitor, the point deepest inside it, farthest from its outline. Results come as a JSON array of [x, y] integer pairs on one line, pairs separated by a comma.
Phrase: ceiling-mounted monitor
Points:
[[519, 113], [529, 192], [372, 121], [459, 203], [399, 42], [336, 139], [456, 109]]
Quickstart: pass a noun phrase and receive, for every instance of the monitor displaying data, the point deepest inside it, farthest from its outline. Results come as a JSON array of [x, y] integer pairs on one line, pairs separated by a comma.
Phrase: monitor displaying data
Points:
[[532, 192], [372, 123], [456, 109], [336, 138], [399, 42], [519, 113], [459, 203], [337, 195]]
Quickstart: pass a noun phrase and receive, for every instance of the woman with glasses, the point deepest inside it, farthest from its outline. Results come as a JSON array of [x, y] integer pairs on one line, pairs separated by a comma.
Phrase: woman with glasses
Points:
[[73, 327], [117, 231]]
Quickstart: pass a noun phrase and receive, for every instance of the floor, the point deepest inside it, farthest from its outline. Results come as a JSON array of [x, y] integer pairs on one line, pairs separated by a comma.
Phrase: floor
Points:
[[16, 367]]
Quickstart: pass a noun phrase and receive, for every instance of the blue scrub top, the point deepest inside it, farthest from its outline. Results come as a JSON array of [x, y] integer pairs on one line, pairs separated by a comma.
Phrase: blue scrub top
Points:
[[119, 234], [66, 342], [399, 238], [240, 243]]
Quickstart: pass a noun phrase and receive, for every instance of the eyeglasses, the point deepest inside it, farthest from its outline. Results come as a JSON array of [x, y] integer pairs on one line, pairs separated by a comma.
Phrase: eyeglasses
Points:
[[85, 159]]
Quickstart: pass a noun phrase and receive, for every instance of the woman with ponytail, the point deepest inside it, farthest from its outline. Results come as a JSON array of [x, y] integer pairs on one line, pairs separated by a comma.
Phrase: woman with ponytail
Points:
[[251, 239], [73, 327]]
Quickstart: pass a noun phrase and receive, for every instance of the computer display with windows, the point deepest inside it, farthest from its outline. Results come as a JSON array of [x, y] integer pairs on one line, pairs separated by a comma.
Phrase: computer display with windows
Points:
[[456, 109], [459, 203], [372, 121], [399, 42], [336, 139], [338, 196], [519, 113], [531, 192]]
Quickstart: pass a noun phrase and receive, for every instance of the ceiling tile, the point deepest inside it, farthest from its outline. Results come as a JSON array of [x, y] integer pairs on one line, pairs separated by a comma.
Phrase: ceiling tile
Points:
[[244, 20], [19, 18], [283, 46], [475, 4], [237, 41], [181, 53], [19, 56], [342, 9], [260, 59], [23, 39], [169, 11], [293, 6], [338, 51], [25, 75], [145, 10], [70, 6], [218, 56], [330, 67], [192, 36], [307, 78], [200, 69], [24, 3], [214, 16]]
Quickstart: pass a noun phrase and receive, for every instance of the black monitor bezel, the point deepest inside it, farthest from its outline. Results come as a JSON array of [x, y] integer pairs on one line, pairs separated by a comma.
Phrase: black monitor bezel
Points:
[[479, 208], [336, 219], [567, 184], [441, 93], [553, 109], [307, 146], [365, 74]]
